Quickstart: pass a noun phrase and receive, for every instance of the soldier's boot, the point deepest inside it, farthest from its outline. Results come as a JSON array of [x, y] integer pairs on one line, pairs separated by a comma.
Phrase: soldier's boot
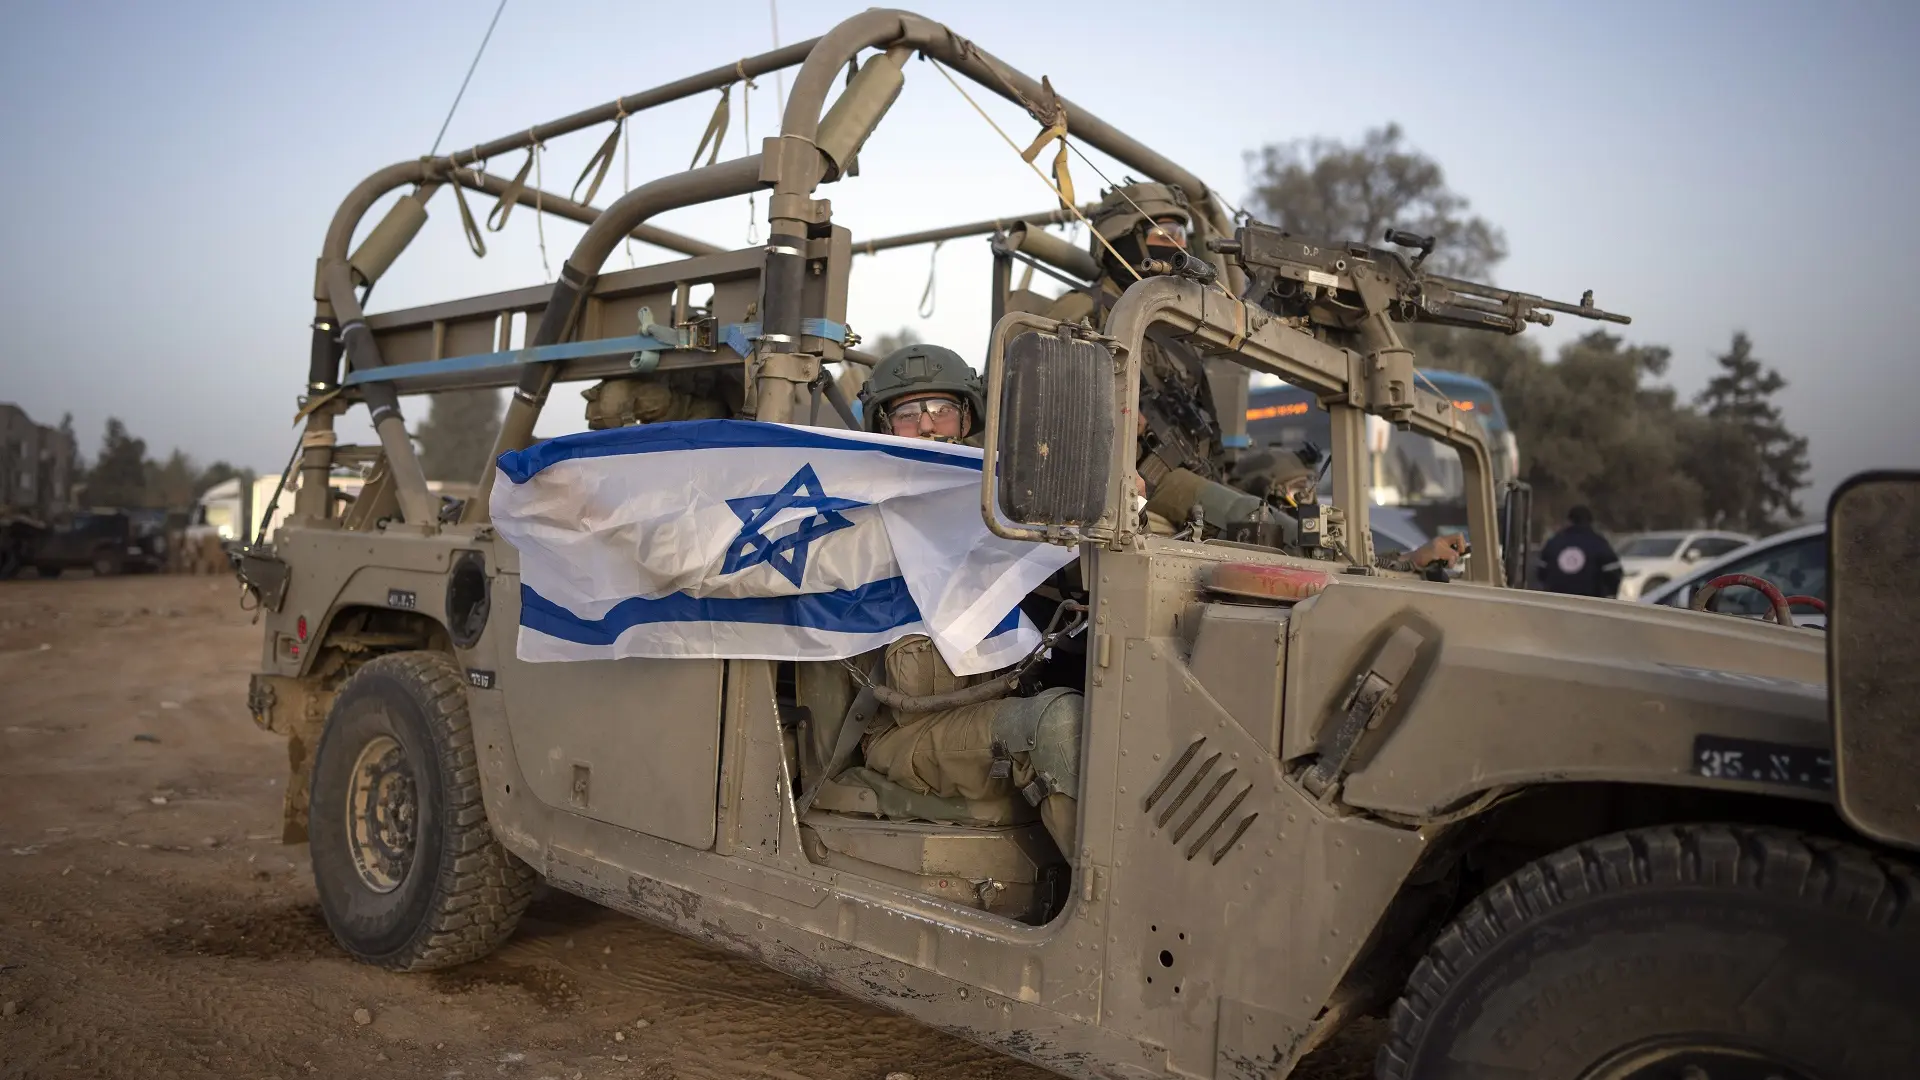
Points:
[[1039, 740]]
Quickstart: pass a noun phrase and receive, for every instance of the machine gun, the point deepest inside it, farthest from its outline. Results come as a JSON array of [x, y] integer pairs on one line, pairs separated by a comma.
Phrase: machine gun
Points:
[[1334, 284]]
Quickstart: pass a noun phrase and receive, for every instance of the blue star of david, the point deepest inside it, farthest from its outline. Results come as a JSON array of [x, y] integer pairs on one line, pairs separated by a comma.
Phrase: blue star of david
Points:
[[786, 554]]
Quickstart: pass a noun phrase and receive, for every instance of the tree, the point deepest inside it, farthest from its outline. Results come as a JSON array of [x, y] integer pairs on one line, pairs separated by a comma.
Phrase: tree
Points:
[[1592, 424], [1592, 431], [456, 438], [170, 483], [892, 340], [119, 478], [1328, 190], [1750, 464]]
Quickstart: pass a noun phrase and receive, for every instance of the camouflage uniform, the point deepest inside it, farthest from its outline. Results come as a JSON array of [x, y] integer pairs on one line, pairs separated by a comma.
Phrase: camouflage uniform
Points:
[[989, 750]]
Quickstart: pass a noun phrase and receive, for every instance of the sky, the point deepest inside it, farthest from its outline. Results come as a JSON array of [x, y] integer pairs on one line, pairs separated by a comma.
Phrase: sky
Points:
[[1705, 168]]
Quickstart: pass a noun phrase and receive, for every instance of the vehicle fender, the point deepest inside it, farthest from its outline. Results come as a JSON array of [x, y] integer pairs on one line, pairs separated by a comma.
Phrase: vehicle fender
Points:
[[1514, 688]]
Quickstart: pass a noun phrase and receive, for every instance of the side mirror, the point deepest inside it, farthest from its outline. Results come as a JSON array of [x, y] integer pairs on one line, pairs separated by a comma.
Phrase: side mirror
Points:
[[1052, 404], [1516, 543], [1691, 555], [1873, 652]]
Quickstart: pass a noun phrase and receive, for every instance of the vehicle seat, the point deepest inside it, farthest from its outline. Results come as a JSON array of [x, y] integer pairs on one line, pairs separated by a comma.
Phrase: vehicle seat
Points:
[[826, 691]]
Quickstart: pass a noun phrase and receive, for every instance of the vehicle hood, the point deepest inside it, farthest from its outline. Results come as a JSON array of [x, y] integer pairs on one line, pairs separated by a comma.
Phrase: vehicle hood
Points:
[[1618, 689]]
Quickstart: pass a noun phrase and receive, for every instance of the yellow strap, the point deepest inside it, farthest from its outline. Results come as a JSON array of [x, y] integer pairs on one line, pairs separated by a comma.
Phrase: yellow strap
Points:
[[603, 158], [716, 127], [1062, 179], [509, 198], [316, 438]]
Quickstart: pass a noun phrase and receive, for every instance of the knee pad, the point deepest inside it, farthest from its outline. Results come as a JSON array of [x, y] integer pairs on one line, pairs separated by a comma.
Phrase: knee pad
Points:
[[1045, 727]]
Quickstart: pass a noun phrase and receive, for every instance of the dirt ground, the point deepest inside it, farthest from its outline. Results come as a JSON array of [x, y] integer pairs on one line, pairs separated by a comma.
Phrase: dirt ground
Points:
[[152, 924]]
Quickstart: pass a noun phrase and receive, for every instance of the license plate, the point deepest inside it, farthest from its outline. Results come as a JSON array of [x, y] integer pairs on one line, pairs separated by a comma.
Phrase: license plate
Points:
[[1755, 761]]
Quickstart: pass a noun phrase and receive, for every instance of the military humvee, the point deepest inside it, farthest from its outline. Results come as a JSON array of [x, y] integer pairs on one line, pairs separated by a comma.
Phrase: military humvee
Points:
[[1555, 837]]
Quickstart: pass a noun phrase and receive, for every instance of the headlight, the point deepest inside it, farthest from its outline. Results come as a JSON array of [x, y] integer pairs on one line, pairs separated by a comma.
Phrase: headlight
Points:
[[226, 532]]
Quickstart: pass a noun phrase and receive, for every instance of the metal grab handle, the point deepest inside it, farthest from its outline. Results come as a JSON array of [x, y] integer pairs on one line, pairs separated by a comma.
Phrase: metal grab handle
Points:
[[1782, 614]]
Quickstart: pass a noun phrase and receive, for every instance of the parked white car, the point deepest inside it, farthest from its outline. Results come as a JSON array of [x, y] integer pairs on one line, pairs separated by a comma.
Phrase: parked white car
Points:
[[1794, 560], [1651, 559]]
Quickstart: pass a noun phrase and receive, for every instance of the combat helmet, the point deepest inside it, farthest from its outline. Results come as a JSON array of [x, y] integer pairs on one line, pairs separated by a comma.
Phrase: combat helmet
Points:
[[920, 369], [1122, 217]]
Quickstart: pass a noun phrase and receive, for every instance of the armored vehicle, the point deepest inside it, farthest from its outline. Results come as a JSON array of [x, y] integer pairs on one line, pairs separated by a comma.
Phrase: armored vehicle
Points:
[[1550, 837]]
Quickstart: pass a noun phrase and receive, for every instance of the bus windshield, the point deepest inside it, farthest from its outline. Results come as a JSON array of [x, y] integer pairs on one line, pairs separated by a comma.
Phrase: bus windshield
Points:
[[1407, 469]]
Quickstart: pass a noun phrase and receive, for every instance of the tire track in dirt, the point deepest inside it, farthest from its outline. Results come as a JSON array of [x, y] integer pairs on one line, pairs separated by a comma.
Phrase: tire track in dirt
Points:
[[134, 948]]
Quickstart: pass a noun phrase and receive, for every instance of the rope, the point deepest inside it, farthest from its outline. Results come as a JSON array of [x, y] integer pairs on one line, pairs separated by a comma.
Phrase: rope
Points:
[[463, 82], [539, 216], [1015, 147], [746, 136], [926, 295], [626, 181]]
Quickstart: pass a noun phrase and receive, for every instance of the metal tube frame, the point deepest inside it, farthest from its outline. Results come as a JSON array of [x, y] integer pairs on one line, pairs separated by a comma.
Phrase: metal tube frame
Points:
[[791, 164]]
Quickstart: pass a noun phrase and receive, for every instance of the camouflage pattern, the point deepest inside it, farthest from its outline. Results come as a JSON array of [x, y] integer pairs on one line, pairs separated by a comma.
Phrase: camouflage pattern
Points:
[[949, 753], [653, 399]]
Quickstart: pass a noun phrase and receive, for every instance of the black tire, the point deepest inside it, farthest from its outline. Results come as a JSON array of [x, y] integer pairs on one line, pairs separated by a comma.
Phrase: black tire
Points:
[[456, 894], [1608, 960]]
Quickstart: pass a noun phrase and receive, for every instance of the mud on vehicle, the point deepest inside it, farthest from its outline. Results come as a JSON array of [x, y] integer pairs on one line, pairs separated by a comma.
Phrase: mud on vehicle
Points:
[[1548, 836]]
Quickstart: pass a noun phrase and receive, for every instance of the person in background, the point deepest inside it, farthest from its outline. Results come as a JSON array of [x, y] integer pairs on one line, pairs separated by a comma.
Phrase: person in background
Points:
[[1578, 560]]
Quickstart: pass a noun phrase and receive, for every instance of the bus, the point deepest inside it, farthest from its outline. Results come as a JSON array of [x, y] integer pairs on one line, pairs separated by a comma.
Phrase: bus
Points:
[[1408, 469]]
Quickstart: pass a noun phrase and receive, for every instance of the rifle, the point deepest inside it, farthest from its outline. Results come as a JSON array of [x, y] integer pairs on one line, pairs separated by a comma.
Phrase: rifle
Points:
[[1331, 284]]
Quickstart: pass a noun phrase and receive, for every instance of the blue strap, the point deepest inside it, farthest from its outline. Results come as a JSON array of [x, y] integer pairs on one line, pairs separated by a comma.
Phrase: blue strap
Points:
[[738, 336]]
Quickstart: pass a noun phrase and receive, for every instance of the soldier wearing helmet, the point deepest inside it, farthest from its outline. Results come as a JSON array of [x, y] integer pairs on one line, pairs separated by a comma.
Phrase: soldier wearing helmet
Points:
[[926, 392], [991, 749]]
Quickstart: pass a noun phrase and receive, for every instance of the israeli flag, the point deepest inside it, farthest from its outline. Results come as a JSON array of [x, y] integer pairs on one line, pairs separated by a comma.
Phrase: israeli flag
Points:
[[733, 538]]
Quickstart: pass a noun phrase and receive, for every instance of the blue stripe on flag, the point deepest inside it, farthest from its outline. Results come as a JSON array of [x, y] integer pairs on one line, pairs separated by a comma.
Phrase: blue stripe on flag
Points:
[[522, 465], [873, 608]]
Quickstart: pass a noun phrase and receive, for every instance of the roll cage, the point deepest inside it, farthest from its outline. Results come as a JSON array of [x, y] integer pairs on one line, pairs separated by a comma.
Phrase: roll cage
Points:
[[778, 309]]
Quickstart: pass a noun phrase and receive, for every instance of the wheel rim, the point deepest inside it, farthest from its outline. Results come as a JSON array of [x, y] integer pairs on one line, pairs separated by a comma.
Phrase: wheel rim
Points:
[[382, 808], [1694, 1058]]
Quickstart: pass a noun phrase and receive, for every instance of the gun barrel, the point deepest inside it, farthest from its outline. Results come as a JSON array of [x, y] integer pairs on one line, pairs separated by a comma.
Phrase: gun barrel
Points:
[[1585, 309]]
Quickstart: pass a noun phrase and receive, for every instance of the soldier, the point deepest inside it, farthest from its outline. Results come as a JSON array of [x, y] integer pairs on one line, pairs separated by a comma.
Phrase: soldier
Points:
[[1141, 222], [989, 749]]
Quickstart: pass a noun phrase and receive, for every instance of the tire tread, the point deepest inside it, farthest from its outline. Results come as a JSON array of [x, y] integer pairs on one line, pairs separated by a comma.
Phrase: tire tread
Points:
[[1815, 869], [481, 889]]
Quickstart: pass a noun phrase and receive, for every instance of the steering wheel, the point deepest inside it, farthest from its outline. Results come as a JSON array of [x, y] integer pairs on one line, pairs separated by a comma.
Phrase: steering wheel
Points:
[[1781, 606]]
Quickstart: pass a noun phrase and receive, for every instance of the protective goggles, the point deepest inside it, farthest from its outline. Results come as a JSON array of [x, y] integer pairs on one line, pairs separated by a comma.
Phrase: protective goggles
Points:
[[936, 409], [1167, 233]]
